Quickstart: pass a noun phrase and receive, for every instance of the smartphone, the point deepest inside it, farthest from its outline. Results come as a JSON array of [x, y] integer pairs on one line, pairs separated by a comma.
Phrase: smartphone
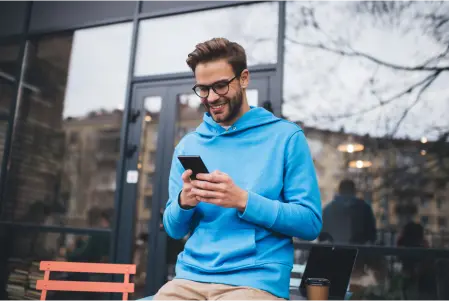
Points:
[[194, 163]]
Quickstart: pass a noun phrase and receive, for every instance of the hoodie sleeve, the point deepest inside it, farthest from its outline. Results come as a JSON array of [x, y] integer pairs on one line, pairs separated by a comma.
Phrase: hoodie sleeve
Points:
[[176, 219], [300, 214]]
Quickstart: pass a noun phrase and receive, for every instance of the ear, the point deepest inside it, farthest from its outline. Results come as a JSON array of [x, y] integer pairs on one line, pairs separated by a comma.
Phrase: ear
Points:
[[244, 79]]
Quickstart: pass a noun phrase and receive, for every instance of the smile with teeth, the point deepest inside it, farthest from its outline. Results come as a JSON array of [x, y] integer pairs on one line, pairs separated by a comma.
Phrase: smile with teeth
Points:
[[217, 106]]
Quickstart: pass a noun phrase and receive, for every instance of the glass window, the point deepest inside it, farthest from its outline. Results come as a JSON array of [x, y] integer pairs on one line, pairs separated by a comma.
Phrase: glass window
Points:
[[368, 82], [30, 246], [9, 60], [165, 51], [9, 55], [147, 161], [148, 201], [3, 128], [147, 164], [190, 113], [66, 137], [409, 277]]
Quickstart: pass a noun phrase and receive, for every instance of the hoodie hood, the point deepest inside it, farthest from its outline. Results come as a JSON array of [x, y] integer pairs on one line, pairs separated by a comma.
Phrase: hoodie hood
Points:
[[255, 117]]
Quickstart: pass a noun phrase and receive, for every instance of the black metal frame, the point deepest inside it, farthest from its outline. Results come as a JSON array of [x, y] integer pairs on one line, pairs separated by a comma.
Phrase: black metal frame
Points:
[[184, 10], [12, 109], [123, 223]]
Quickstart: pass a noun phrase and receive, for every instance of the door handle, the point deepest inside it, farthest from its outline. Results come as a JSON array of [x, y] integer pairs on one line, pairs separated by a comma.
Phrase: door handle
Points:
[[130, 150], [133, 115]]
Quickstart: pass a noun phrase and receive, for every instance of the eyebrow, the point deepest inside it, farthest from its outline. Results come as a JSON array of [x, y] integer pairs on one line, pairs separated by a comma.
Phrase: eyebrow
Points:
[[217, 81]]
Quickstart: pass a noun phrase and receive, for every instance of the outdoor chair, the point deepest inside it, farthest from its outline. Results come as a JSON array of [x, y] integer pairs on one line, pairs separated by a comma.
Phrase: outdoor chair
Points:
[[86, 286]]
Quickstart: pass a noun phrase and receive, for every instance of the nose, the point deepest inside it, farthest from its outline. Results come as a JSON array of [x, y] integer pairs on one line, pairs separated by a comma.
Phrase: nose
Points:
[[212, 96]]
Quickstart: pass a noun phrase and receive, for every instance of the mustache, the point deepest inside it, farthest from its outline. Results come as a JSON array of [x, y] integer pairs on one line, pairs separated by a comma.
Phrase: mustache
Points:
[[216, 103]]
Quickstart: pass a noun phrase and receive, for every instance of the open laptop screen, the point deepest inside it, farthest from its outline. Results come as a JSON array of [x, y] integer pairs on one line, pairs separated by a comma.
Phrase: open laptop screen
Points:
[[333, 263]]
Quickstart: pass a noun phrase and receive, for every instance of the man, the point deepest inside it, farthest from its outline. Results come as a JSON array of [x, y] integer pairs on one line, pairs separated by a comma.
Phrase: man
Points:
[[262, 192], [348, 219]]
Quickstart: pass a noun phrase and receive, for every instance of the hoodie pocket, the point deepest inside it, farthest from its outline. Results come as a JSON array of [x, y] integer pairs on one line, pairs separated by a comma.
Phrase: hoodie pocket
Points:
[[220, 250]]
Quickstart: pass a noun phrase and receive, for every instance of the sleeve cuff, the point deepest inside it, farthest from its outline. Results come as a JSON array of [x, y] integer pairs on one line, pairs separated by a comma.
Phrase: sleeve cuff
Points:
[[260, 210], [179, 214]]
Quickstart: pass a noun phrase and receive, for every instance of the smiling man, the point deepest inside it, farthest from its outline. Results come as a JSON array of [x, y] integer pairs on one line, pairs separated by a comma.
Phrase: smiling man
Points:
[[262, 192]]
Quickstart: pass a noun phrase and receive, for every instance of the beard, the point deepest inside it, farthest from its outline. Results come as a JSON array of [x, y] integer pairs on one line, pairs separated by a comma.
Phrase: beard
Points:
[[233, 106]]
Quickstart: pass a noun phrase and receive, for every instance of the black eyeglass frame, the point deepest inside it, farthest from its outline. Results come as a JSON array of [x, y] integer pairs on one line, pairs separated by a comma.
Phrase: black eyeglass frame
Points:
[[227, 82]]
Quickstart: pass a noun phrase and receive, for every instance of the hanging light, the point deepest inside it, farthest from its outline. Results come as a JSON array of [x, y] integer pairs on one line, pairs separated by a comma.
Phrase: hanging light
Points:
[[360, 164], [351, 147]]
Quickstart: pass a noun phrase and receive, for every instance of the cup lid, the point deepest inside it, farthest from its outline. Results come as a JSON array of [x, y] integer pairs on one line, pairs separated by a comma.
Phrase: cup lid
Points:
[[318, 281]]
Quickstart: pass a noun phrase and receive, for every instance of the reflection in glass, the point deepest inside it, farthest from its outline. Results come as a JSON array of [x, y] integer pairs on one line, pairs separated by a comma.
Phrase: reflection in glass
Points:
[[252, 97], [372, 99], [67, 134], [8, 63], [146, 166], [147, 157], [190, 113], [358, 68], [165, 51], [8, 66], [3, 128], [29, 247]]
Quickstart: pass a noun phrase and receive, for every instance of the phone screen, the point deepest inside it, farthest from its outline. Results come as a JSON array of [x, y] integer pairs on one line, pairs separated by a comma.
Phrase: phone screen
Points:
[[195, 163]]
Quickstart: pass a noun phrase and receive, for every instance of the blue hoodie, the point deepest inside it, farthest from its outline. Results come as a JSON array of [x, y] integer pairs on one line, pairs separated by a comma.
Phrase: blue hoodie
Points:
[[269, 157]]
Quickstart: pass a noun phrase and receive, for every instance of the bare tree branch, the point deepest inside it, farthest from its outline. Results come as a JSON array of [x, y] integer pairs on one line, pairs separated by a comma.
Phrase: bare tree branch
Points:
[[417, 99], [356, 53], [438, 57], [383, 102]]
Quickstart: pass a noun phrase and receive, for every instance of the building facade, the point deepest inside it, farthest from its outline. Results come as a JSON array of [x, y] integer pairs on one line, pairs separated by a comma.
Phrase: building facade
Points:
[[94, 96]]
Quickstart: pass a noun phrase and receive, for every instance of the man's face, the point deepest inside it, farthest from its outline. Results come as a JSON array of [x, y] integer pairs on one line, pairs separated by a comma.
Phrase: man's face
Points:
[[224, 109]]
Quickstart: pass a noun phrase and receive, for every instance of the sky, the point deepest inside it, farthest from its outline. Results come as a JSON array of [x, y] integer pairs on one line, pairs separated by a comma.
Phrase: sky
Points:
[[316, 83]]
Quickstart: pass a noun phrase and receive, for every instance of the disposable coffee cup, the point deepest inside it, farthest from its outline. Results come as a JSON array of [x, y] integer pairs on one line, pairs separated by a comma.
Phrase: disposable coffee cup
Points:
[[317, 288]]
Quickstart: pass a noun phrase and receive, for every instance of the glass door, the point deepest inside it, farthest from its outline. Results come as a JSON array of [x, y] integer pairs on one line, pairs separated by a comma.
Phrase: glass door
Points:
[[168, 111]]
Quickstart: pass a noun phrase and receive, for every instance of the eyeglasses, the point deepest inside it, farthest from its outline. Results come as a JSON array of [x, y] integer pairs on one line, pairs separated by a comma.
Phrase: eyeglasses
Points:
[[220, 88]]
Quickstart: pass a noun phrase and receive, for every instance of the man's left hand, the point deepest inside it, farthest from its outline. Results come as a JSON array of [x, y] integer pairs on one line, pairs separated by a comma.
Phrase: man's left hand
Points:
[[218, 188]]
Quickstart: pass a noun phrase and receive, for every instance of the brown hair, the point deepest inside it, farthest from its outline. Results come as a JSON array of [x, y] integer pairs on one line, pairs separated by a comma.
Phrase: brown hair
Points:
[[218, 48]]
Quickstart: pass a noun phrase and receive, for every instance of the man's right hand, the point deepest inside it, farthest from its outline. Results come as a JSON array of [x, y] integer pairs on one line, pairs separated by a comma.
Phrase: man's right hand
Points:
[[187, 200]]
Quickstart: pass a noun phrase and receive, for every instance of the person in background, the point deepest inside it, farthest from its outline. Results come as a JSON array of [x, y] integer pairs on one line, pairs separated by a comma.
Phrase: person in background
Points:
[[95, 248], [348, 219], [420, 282]]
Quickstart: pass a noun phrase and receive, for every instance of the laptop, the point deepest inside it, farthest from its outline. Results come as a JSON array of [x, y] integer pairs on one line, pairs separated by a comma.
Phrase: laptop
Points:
[[333, 263]]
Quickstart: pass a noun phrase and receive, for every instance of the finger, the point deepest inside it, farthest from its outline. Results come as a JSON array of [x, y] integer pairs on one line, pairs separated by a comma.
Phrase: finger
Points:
[[212, 177], [186, 176], [208, 185], [207, 193], [214, 201], [220, 173]]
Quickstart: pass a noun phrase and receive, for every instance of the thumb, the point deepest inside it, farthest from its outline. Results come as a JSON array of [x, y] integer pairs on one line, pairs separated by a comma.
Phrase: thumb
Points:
[[186, 176]]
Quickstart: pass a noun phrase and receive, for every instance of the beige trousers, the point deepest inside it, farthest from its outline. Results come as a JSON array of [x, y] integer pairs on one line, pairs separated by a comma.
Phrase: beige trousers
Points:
[[180, 289]]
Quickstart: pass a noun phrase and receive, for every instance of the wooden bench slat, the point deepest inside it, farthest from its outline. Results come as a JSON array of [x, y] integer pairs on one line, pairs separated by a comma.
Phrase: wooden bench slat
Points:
[[84, 267], [85, 286]]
